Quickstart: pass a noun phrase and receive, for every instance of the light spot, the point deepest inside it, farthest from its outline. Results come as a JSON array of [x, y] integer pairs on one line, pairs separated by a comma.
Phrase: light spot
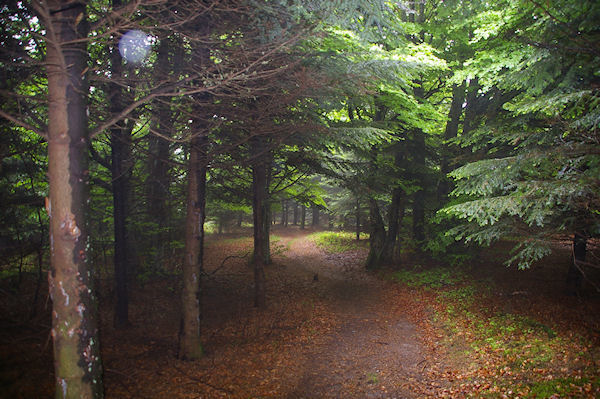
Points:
[[60, 283], [134, 46], [63, 385]]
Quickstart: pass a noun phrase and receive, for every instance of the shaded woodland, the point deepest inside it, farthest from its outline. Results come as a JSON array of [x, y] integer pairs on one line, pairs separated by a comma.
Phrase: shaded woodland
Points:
[[179, 153]]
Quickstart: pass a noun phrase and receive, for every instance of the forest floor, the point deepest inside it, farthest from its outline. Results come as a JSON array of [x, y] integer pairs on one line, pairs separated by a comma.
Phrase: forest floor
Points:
[[331, 330]]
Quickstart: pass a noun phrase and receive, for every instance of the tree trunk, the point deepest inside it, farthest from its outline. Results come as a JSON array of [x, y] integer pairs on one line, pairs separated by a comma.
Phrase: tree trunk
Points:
[[77, 365], [574, 275], [471, 106], [419, 195], [119, 142], [315, 216], [458, 98], [377, 238], [158, 181], [303, 218], [357, 218], [190, 344], [295, 214], [261, 217], [393, 224]]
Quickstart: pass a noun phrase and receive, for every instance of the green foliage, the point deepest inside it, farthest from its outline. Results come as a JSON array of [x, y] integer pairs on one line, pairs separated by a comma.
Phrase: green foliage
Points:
[[434, 278], [565, 387], [537, 182], [337, 241]]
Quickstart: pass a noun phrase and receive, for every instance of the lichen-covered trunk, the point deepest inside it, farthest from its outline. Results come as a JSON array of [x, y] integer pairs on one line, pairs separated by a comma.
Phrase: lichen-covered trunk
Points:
[[77, 366], [190, 344], [377, 237], [261, 218]]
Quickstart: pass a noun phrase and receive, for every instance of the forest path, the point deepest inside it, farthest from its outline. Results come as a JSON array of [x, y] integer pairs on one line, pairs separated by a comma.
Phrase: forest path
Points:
[[373, 351]]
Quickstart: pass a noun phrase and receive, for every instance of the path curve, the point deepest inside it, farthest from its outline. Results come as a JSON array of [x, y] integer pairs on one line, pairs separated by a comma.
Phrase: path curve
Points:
[[370, 353]]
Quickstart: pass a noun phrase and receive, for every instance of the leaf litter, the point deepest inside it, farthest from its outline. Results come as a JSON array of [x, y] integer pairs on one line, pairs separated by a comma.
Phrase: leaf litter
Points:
[[346, 334]]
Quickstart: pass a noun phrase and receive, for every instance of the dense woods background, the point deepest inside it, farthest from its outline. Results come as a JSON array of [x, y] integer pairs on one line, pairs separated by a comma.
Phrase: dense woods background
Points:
[[428, 125]]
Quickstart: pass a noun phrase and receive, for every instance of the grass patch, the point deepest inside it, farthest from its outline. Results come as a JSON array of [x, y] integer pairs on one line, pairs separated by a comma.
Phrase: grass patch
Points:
[[435, 278], [501, 354], [337, 241]]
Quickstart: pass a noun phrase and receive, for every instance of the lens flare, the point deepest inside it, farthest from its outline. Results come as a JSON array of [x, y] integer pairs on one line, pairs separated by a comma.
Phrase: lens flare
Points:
[[134, 46]]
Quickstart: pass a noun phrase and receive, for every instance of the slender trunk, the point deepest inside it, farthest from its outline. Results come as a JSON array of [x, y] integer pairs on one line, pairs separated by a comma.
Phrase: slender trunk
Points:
[[315, 216], [158, 181], [303, 217], [261, 217], [190, 344], [471, 106], [40, 263], [393, 224], [574, 275], [377, 237], [419, 195], [458, 97], [119, 140], [357, 218], [394, 210], [295, 214], [77, 366], [282, 212], [401, 212]]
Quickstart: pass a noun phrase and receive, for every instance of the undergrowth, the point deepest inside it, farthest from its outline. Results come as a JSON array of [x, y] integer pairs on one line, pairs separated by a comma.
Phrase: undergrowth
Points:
[[502, 354]]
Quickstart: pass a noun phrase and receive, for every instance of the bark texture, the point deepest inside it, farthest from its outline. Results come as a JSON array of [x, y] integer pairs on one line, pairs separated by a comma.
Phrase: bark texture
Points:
[[77, 365], [261, 217], [190, 344], [574, 275], [377, 238]]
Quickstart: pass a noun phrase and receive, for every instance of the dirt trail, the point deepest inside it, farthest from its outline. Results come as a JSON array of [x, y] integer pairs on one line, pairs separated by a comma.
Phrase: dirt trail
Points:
[[372, 352]]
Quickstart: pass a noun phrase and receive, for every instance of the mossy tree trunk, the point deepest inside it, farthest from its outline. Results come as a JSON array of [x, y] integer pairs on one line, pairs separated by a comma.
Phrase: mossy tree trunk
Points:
[[77, 366]]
